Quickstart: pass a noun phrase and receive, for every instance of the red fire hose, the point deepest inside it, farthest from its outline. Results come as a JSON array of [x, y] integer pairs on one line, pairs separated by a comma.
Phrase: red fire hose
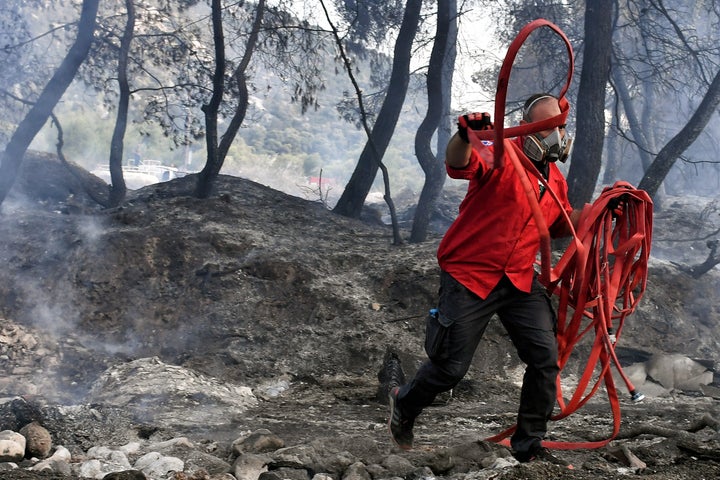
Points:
[[602, 275]]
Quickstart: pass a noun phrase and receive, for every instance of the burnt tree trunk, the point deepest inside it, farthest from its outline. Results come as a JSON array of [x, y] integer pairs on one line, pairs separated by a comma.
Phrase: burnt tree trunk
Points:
[[353, 197], [211, 109], [51, 94], [667, 156], [118, 188], [587, 156], [217, 152], [433, 166], [697, 271]]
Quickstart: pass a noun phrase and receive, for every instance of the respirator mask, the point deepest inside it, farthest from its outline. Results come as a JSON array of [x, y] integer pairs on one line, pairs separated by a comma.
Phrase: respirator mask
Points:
[[551, 148]]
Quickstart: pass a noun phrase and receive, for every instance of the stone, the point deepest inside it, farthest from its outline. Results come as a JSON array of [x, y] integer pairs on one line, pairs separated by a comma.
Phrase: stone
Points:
[[125, 475], [154, 464], [259, 441], [398, 466], [672, 371], [285, 473], [103, 460], [38, 440], [356, 471], [249, 466], [59, 461], [12, 446]]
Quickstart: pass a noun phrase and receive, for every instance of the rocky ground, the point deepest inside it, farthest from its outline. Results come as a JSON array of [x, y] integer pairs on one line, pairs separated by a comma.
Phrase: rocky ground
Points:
[[178, 326]]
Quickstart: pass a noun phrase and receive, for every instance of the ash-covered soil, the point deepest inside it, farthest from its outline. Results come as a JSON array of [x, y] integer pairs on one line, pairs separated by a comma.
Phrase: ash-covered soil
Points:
[[257, 288]]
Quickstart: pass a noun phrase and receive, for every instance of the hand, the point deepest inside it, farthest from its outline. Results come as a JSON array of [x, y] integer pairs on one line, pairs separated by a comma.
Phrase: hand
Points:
[[473, 121], [616, 205]]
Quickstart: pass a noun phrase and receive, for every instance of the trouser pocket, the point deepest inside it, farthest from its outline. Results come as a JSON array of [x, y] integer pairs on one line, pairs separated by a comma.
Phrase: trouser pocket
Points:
[[437, 335]]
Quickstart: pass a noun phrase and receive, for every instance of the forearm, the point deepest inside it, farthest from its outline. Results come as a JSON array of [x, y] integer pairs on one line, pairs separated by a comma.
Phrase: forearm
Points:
[[575, 217], [457, 153], [561, 228]]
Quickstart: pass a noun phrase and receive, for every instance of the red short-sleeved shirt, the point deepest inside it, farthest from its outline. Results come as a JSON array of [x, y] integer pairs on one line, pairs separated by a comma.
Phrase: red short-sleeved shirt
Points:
[[494, 233]]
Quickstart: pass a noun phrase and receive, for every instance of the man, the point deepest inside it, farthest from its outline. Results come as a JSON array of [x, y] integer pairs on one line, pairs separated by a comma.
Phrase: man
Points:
[[487, 266]]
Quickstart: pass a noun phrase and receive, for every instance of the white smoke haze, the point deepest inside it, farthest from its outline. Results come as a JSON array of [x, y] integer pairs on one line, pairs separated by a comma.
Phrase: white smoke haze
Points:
[[91, 230], [693, 220]]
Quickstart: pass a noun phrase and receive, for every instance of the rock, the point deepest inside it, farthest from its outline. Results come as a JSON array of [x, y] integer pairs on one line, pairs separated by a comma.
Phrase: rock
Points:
[[125, 475], [16, 411], [103, 460], [636, 373], [397, 466], [38, 440], [249, 466], [135, 383], [298, 456], [346, 450], [130, 448], [7, 466], [12, 446], [478, 452], [710, 391], [376, 471], [677, 371], [356, 471], [92, 468], [285, 473], [58, 462], [154, 464], [170, 444], [195, 460], [259, 441], [422, 473], [336, 463], [695, 384]]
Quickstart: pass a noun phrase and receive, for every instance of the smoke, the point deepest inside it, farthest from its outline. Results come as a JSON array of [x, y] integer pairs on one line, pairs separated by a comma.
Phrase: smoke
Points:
[[682, 227], [91, 230]]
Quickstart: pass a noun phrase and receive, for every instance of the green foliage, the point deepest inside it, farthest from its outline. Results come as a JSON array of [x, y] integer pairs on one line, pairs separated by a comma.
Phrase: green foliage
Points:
[[301, 119]]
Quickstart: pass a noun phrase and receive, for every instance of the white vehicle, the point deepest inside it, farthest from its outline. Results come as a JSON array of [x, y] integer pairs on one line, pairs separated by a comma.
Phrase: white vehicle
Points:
[[140, 174]]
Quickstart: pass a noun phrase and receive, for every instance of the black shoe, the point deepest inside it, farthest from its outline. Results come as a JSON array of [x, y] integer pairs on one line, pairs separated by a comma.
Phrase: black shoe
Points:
[[541, 455], [401, 427]]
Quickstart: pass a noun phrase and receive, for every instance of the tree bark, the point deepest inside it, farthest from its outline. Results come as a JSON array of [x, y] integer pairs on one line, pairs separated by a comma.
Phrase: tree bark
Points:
[[447, 124], [433, 166], [697, 271], [118, 188], [51, 94], [211, 109], [353, 197], [240, 78], [668, 155], [587, 156], [643, 145], [612, 163], [214, 163]]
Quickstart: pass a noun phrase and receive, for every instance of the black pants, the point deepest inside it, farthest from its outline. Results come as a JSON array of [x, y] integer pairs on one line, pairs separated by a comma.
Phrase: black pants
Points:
[[529, 320]]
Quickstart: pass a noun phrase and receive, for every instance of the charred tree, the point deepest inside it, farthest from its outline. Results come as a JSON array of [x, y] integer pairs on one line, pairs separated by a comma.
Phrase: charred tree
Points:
[[211, 109], [353, 197], [217, 148], [397, 239], [118, 188], [587, 156], [668, 155], [51, 94], [697, 271], [432, 166]]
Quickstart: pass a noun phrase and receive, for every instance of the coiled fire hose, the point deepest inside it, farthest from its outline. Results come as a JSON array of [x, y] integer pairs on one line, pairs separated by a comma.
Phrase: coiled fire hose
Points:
[[602, 275]]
